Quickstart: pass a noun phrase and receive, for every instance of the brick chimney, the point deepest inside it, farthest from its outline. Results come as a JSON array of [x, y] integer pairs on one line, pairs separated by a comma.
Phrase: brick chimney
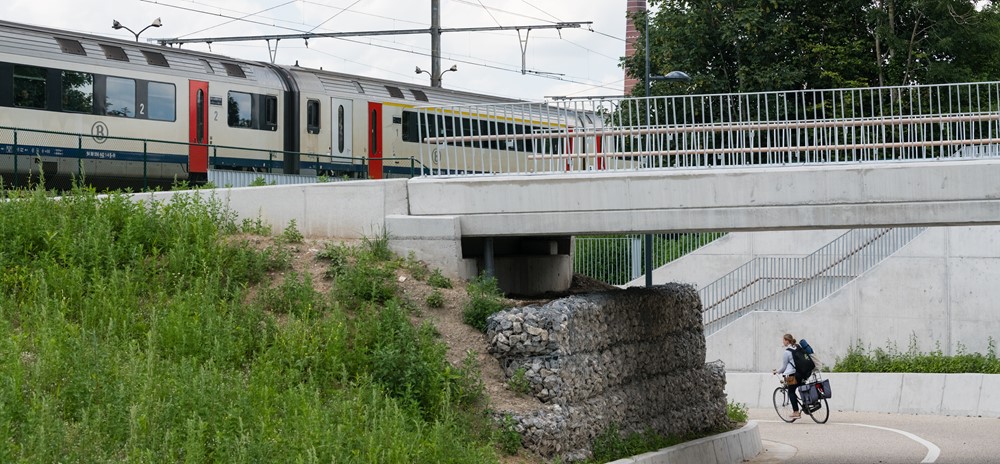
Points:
[[631, 35]]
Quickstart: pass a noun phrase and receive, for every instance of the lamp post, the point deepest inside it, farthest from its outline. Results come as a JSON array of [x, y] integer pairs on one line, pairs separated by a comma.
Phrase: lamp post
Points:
[[117, 25], [436, 80], [671, 76]]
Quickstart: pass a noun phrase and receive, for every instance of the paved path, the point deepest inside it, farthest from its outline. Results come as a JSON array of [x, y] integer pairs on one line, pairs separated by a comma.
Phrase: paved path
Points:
[[855, 437]]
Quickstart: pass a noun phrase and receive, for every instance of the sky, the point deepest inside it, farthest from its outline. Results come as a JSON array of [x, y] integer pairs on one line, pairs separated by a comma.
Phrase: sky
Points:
[[570, 62]]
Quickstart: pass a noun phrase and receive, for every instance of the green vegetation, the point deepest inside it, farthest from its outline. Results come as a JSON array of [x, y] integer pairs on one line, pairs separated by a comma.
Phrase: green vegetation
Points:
[[485, 298], [618, 248], [612, 444], [507, 436], [437, 280], [435, 299], [738, 412], [519, 382], [154, 333], [291, 234], [890, 359]]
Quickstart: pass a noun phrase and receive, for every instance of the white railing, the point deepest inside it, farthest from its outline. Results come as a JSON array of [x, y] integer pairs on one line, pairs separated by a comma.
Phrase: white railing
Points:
[[794, 284], [619, 260], [746, 129]]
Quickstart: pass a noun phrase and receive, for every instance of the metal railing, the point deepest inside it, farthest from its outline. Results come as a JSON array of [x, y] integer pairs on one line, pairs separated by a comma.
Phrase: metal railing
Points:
[[26, 154], [746, 129], [794, 284], [618, 260]]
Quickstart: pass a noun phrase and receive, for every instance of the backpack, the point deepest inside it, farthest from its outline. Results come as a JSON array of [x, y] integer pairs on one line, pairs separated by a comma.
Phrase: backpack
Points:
[[803, 363], [805, 346]]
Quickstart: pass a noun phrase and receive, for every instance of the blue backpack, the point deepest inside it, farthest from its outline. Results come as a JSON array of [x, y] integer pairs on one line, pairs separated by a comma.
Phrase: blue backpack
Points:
[[805, 346]]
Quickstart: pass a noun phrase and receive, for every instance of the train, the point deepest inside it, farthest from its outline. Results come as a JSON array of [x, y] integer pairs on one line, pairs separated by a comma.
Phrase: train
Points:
[[115, 111]]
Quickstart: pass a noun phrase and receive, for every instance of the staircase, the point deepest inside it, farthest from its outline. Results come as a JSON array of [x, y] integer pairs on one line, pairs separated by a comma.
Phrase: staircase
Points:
[[794, 284]]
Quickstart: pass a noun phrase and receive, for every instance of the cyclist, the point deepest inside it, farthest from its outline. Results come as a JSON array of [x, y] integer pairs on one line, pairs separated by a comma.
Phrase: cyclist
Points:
[[787, 371]]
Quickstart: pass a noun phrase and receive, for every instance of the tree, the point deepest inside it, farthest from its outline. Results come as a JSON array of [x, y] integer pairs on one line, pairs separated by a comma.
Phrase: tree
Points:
[[760, 45]]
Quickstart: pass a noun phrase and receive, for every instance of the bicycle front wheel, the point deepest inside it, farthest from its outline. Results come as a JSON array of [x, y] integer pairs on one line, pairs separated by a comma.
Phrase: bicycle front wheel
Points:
[[822, 414], [781, 404]]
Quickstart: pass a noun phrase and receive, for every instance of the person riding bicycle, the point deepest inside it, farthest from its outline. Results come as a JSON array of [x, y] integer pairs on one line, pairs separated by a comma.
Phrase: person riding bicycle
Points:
[[787, 371]]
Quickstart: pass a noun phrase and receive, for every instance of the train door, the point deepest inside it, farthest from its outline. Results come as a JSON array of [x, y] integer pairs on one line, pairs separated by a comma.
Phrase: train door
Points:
[[341, 146], [374, 140], [198, 117]]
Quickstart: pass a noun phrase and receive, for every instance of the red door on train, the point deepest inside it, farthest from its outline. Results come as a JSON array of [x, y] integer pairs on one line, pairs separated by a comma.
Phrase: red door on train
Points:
[[374, 140], [198, 117]]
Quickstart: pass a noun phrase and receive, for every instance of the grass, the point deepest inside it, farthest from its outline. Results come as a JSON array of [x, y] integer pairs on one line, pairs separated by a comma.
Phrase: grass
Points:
[[485, 299], [890, 359], [130, 332]]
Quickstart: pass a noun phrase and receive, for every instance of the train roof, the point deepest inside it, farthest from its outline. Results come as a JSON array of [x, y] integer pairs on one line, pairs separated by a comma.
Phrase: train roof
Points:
[[69, 46]]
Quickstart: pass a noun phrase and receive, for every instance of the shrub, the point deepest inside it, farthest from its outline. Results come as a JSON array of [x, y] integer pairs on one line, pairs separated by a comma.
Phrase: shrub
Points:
[[437, 280], [365, 282], [890, 359], [485, 299], [337, 255], [435, 299], [737, 412], [507, 436], [519, 382], [291, 234]]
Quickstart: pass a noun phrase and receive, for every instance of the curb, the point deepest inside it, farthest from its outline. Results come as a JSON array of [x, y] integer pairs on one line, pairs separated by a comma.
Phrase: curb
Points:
[[735, 446]]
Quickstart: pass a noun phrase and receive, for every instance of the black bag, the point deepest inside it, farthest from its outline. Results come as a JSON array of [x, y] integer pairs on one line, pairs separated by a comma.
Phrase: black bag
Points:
[[803, 363]]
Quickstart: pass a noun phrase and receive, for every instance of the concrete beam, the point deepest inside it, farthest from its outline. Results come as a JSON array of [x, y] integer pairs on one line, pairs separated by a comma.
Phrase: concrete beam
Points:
[[785, 198]]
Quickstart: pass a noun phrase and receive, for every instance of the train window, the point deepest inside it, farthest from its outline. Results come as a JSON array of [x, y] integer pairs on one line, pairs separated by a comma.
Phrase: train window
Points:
[[113, 52], [234, 70], [161, 99], [71, 46], [312, 116], [270, 113], [77, 92], [358, 87], [207, 65], [340, 129], [419, 95], [29, 86], [240, 109], [155, 58], [394, 91], [120, 98]]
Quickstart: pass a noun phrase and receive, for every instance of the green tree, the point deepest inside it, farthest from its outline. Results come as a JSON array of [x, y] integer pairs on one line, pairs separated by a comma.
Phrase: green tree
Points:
[[758, 45]]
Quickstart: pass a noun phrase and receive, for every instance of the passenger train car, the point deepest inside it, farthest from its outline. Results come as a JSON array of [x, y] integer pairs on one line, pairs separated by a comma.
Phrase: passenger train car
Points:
[[74, 104]]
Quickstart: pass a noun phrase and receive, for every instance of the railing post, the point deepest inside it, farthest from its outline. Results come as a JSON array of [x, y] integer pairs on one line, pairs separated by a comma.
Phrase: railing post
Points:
[[79, 160], [16, 174], [145, 171]]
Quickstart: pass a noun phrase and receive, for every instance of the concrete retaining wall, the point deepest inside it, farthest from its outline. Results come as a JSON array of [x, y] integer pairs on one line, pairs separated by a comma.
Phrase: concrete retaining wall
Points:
[[726, 448], [939, 291], [942, 394]]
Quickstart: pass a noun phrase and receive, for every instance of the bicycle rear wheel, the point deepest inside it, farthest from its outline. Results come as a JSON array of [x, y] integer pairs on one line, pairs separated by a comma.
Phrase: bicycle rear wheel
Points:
[[781, 404], [820, 415]]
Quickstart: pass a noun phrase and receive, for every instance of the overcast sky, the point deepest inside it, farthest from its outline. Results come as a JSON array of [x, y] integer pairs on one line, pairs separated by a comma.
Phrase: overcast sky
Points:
[[581, 61]]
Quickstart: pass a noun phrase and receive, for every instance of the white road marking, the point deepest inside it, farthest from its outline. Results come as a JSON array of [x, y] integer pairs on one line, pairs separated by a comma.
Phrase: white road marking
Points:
[[932, 450]]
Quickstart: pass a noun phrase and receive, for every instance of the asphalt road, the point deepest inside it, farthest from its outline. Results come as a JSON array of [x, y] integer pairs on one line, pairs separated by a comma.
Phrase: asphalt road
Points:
[[857, 437]]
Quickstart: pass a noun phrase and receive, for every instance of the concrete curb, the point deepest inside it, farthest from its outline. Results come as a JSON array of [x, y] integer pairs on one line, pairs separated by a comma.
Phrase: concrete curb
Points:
[[731, 447], [932, 394]]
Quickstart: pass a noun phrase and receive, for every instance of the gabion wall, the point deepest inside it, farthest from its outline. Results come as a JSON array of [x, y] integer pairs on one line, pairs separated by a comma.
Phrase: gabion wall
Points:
[[635, 358]]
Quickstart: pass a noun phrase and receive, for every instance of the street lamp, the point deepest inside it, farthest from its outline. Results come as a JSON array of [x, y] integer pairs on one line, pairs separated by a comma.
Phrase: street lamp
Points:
[[117, 25], [436, 82], [670, 76]]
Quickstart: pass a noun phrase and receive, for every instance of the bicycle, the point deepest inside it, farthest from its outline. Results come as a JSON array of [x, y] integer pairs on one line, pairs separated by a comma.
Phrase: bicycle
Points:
[[819, 410]]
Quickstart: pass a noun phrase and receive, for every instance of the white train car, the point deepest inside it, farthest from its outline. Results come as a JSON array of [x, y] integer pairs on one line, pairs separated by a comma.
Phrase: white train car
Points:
[[120, 113]]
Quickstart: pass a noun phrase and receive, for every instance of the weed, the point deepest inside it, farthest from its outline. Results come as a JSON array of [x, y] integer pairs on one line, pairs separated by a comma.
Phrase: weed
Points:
[[737, 412], [260, 181], [485, 299], [337, 255], [437, 280], [378, 246], [611, 444], [889, 359], [519, 381], [418, 269], [255, 226], [435, 299], [365, 282], [291, 234], [507, 436]]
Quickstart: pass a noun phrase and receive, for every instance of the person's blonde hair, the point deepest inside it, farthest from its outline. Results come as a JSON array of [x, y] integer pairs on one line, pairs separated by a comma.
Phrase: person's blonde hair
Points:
[[791, 340]]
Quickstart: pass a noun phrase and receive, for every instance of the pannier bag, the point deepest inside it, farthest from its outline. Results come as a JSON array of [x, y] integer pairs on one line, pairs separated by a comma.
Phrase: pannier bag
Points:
[[809, 393], [824, 389]]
